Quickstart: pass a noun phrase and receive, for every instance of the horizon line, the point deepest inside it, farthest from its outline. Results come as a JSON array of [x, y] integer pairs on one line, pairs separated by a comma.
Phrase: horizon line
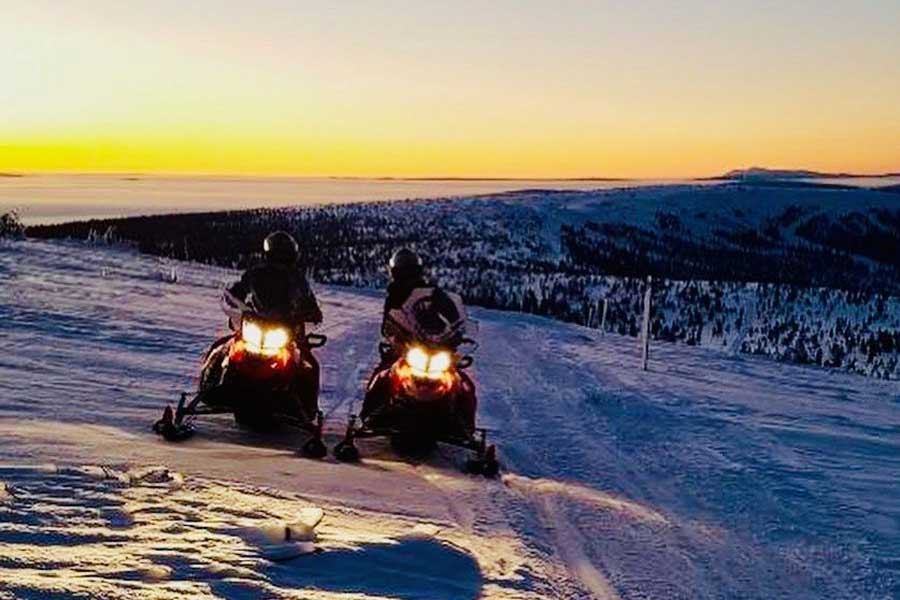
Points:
[[13, 174]]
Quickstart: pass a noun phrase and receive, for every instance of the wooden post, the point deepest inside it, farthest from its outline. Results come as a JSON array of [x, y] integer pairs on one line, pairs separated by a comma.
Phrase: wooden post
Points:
[[645, 330], [603, 318]]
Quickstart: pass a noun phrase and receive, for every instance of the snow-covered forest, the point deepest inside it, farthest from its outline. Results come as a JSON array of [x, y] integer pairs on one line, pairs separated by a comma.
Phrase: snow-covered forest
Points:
[[795, 272]]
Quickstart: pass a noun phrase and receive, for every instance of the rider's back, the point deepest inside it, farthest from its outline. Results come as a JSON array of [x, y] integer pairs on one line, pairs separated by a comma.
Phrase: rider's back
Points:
[[279, 291], [398, 292]]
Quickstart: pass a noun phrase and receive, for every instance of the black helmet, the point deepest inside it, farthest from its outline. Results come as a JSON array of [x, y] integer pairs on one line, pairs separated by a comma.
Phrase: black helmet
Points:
[[405, 264], [281, 248]]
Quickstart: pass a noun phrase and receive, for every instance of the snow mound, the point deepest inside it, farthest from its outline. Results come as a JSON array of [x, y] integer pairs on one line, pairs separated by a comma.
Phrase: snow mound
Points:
[[103, 532], [132, 527], [282, 540]]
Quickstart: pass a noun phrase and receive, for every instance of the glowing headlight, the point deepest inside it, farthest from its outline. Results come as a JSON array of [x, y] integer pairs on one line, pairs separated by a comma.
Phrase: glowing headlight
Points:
[[423, 365], [418, 360], [252, 334], [439, 363], [264, 341], [275, 339]]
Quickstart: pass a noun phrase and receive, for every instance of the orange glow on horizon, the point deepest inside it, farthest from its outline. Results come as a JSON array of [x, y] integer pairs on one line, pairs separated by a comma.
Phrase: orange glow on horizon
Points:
[[435, 90]]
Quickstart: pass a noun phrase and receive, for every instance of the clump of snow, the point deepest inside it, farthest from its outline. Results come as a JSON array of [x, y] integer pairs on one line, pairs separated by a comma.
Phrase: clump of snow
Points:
[[154, 474], [154, 573], [282, 540], [176, 480], [425, 530], [101, 472], [148, 475]]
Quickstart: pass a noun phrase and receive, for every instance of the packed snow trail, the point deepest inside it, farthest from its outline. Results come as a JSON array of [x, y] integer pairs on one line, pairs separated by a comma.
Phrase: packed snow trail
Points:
[[708, 477]]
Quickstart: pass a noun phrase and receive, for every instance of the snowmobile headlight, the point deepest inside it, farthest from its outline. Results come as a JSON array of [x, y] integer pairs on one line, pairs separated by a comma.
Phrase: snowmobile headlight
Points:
[[424, 365], [418, 360], [439, 363], [275, 339], [252, 334]]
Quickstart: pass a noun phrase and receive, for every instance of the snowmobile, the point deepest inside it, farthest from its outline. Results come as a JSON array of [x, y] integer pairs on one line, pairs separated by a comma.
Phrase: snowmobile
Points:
[[423, 397], [261, 375]]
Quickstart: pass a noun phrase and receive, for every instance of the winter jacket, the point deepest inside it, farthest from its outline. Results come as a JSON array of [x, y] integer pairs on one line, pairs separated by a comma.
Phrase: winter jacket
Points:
[[398, 292], [278, 291]]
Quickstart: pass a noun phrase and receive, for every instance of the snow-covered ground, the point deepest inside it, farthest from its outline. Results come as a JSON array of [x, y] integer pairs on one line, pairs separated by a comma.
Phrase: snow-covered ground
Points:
[[711, 476]]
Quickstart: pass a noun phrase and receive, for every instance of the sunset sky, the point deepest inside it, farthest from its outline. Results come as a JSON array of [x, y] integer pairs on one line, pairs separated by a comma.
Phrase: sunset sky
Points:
[[525, 88]]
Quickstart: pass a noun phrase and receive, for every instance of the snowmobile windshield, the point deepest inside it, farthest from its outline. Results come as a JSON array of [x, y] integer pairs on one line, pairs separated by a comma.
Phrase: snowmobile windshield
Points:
[[430, 316]]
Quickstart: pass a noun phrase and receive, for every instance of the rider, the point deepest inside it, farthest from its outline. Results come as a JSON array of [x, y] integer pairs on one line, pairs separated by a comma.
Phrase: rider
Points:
[[278, 288], [407, 275]]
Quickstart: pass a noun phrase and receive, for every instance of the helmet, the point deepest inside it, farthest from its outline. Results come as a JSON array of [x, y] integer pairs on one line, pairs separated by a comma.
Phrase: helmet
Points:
[[405, 264], [281, 248]]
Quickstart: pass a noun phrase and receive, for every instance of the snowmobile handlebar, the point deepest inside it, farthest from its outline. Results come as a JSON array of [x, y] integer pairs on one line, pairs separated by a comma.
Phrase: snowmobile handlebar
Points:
[[466, 360], [315, 340]]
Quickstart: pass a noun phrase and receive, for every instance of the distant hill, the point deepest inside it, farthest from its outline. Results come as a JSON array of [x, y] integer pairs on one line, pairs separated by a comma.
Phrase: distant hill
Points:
[[761, 173]]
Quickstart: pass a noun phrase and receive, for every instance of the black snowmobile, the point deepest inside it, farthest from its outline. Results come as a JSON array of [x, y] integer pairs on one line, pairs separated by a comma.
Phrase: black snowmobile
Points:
[[264, 374], [422, 396]]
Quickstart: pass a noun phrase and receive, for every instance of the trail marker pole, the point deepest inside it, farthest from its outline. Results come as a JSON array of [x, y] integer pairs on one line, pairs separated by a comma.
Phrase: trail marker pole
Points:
[[645, 329], [603, 318]]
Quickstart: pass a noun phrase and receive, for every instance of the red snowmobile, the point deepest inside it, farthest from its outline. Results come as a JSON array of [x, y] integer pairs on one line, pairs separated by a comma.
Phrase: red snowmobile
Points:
[[421, 395], [264, 374]]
